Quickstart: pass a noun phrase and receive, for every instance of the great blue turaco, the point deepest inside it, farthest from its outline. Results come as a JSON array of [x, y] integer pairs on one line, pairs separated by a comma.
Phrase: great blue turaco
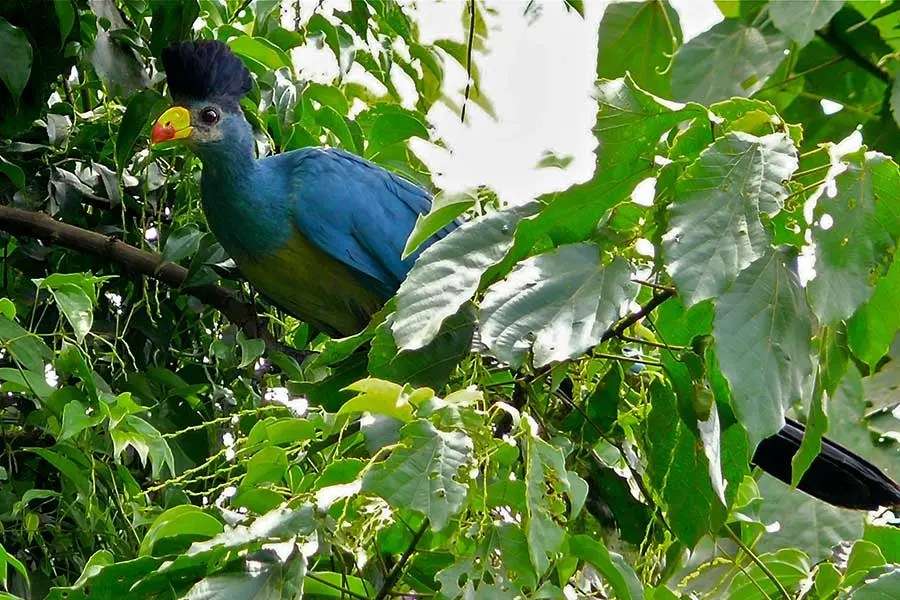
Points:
[[320, 232]]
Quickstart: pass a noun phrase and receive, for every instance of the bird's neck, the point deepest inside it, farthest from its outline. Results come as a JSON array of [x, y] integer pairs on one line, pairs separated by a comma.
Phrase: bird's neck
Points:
[[237, 198]]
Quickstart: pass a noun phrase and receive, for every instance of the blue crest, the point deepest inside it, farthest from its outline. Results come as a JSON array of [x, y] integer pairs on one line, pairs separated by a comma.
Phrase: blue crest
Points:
[[204, 70]]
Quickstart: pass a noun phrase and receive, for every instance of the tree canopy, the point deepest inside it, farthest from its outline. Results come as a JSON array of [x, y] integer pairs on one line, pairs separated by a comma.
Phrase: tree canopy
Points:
[[563, 398]]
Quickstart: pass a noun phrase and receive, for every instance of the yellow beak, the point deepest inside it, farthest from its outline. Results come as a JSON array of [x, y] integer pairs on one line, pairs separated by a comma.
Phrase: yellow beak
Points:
[[174, 124]]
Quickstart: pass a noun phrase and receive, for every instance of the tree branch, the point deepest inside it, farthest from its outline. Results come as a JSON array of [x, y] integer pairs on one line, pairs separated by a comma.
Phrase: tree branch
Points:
[[42, 226], [394, 576], [842, 46]]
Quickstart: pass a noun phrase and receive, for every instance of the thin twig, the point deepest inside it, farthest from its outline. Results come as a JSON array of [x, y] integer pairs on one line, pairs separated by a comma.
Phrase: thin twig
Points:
[[469, 45], [642, 361], [633, 318], [762, 566], [397, 570]]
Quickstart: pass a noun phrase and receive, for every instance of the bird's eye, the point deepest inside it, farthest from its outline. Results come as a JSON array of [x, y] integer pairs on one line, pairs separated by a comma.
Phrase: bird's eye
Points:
[[209, 115]]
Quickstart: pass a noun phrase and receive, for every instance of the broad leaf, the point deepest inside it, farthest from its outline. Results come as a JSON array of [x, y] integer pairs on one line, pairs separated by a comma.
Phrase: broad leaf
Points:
[[763, 328], [621, 578], [15, 58], [183, 520], [656, 24], [422, 473], [141, 110], [562, 302], [873, 327], [800, 20], [439, 284], [854, 245], [715, 229], [444, 209], [731, 59]]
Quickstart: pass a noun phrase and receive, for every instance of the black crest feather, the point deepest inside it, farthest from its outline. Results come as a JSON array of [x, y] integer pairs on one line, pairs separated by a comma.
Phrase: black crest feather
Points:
[[203, 70]]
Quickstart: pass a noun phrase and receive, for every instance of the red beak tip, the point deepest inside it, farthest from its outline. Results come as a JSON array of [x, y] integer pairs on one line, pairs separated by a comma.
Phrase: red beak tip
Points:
[[161, 133]]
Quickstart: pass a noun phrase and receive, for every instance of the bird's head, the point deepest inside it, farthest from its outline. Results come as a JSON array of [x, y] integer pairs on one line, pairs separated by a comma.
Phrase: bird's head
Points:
[[206, 81]]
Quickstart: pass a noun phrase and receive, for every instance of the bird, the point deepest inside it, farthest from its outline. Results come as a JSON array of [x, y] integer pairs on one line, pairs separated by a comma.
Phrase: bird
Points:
[[321, 232], [318, 231]]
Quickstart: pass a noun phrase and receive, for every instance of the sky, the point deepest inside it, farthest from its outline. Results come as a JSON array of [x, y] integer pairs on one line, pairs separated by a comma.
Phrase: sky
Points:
[[538, 71]]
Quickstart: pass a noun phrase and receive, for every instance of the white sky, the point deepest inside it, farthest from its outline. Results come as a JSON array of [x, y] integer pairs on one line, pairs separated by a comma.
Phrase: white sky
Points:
[[538, 73]]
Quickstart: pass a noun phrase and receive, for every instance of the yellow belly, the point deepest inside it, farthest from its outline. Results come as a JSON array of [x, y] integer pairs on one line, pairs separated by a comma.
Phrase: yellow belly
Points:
[[312, 286]]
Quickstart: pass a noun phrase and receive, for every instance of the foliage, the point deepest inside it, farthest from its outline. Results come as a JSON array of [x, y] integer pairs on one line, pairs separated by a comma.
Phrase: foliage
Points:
[[153, 449]]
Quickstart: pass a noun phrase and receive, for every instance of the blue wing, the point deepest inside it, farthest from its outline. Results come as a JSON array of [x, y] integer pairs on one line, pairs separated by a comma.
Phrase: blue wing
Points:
[[357, 212]]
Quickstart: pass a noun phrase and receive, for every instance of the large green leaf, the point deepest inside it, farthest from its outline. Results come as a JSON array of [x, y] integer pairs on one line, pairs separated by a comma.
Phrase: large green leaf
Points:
[[731, 59], [656, 24], [183, 520], [15, 58], [800, 20], [679, 470], [422, 473], [27, 348], [431, 365], [715, 229], [621, 577], [444, 209], [806, 523], [561, 302], [269, 580], [439, 284], [862, 204], [544, 466], [140, 111], [762, 329]]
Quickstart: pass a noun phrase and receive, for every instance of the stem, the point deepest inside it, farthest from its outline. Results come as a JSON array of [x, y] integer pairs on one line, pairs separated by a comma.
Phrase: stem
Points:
[[397, 570], [759, 563], [343, 590], [827, 63], [633, 318], [844, 47], [643, 361], [469, 44]]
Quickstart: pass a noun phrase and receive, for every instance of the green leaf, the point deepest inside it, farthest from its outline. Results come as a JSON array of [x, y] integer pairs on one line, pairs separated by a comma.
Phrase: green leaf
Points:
[[181, 243], [14, 172], [267, 465], [15, 58], [800, 20], [7, 558], [431, 365], [872, 328], [883, 587], [260, 50], [444, 209], [789, 566], [379, 397], [679, 469], [67, 467], [147, 442], [422, 473], [731, 59], [658, 28], [392, 124], [715, 230], [795, 511], [77, 307], [327, 584], [439, 285], [630, 123], [184, 520], [762, 329], [142, 108], [863, 204], [26, 348], [277, 431], [76, 419], [620, 577], [328, 118], [895, 95], [251, 349], [543, 464], [261, 581], [864, 556], [65, 16], [564, 300]]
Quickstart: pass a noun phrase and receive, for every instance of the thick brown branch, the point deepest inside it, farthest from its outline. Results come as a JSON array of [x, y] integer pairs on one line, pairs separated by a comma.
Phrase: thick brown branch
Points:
[[149, 264], [633, 318]]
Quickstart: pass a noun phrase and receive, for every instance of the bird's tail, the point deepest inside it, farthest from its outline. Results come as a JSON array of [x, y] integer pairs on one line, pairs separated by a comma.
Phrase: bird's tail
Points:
[[836, 476]]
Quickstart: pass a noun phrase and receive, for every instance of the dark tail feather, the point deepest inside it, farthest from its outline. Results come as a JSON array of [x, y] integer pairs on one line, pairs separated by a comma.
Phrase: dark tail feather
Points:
[[837, 475]]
